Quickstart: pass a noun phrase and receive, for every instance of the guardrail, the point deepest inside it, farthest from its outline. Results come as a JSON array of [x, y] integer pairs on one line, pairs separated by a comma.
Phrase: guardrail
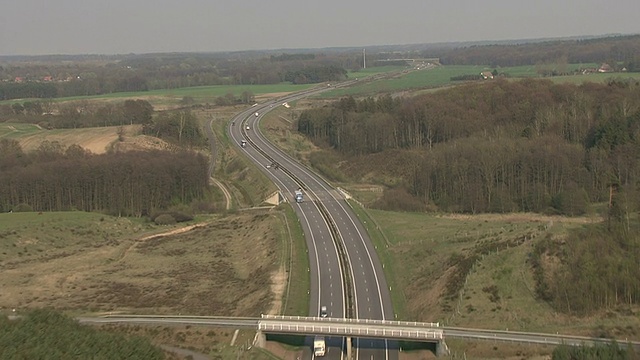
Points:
[[355, 330], [351, 321]]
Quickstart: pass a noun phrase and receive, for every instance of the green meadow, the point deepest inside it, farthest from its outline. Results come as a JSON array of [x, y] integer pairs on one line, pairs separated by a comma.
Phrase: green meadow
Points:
[[16, 130]]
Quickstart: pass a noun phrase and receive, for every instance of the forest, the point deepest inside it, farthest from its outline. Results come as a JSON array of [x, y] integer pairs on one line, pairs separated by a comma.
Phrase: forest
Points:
[[137, 183], [502, 146], [47, 334], [621, 50]]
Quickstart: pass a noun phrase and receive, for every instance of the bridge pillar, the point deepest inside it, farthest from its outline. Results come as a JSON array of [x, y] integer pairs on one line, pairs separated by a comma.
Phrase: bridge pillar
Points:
[[348, 340], [260, 340], [442, 349]]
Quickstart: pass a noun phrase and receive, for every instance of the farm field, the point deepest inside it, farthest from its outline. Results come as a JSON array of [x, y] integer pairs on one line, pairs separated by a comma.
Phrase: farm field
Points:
[[16, 130], [412, 80], [404, 80], [200, 94], [30, 136], [375, 70], [440, 76]]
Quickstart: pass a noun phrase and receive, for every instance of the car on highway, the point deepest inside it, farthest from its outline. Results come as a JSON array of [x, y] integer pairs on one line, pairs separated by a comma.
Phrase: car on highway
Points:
[[323, 311], [248, 128]]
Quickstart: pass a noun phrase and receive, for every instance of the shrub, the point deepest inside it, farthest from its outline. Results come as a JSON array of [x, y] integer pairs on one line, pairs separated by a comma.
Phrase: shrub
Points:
[[398, 199], [177, 215], [165, 219]]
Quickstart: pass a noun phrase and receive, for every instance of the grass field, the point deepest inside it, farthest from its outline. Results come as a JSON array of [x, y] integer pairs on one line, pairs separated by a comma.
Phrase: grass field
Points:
[[412, 80], [492, 286], [201, 94], [91, 263], [496, 289], [596, 78], [376, 70], [404, 81], [96, 140], [15, 130], [441, 77]]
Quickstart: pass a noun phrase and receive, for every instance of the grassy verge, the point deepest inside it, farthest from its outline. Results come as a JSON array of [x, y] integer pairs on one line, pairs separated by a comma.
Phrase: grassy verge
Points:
[[248, 185], [297, 296]]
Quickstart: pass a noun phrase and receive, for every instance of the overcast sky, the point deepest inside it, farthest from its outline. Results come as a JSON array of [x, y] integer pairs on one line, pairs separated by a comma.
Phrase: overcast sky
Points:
[[33, 27]]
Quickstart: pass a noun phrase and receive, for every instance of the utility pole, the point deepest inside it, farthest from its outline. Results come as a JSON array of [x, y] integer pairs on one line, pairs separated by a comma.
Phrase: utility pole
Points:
[[364, 59]]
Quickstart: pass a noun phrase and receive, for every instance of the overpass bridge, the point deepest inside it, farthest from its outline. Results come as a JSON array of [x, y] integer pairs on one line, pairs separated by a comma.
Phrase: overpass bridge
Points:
[[298, 325], [352, 328]]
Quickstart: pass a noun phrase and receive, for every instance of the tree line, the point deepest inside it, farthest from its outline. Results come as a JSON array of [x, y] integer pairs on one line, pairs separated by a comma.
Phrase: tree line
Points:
[[612, 50], [179, 127], [55, 178], [78, 86], [166, 71], [529, 145], [78, 114], [315, 74]]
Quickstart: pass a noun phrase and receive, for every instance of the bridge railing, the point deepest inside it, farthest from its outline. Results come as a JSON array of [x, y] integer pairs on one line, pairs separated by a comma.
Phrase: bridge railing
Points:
[[353, 321], [354, 330]]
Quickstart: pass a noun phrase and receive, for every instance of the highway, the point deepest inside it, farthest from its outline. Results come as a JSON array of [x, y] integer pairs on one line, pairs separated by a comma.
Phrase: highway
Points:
[[371, 297]]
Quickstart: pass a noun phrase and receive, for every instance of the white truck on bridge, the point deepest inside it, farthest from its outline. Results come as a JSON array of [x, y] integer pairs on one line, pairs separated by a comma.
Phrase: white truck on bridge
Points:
[[318, 346]]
